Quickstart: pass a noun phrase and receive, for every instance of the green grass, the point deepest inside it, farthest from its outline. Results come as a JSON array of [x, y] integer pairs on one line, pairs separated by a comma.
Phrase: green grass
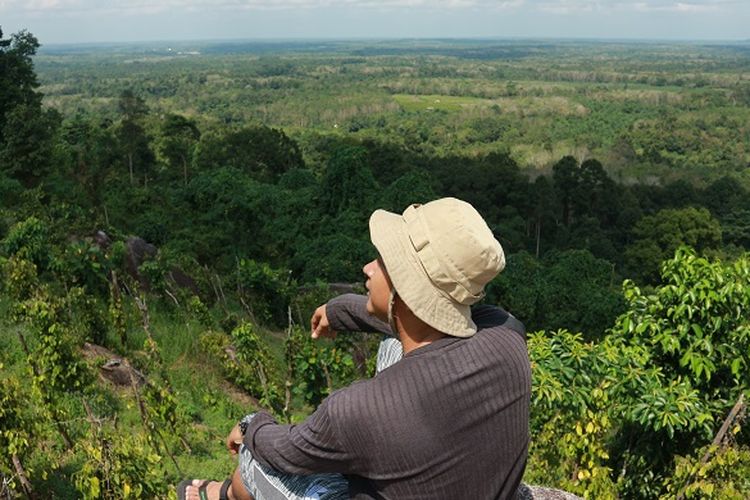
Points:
[[438, 102], [210, 405]]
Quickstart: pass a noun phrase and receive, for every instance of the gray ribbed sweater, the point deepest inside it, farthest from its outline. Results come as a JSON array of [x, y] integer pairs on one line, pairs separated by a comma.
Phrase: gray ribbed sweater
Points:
[[450, 420]]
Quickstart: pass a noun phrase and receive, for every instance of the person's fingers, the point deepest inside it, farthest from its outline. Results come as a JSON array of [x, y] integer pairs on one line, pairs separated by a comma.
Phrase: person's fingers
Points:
[[318, 322], [315, 322], [234, 440], [235, 448]]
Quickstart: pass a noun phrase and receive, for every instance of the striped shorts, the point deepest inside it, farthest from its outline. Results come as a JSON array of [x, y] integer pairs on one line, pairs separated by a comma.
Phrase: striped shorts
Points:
[[264, 483]]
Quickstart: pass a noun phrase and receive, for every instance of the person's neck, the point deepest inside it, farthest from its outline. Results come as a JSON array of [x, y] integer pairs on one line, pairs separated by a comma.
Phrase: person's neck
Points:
[[413, 332]]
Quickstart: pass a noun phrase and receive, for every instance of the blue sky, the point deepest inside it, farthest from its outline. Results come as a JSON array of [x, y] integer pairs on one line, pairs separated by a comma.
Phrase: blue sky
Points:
[[73, 21]]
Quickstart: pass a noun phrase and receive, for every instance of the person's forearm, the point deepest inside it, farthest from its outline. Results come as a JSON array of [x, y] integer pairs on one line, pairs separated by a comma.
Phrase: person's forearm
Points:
[[349, 312], [308, 448]]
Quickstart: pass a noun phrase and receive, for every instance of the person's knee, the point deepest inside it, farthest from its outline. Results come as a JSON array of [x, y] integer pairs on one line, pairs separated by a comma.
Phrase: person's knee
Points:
[[239, 492]]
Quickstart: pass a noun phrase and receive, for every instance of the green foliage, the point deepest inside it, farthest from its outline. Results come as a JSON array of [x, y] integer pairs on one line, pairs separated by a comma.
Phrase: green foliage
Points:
[[573, 393], [57, 365], [28, 240], [20, 278], [695, 321], [348, 183], [160, 411], [267, 291], [259, 374], [120, 466], [725, 476], [609, 417], [261, 152], [18, 424], [248, 363], [27, 151], [318, 366], [199, 310], [571, 289], [17, 78], [656, 237], [83, 263], [413, 187], [333, 257], [179, 136]]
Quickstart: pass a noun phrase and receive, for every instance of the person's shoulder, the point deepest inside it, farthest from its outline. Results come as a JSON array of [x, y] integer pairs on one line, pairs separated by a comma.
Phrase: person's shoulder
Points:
[[346, 398], [487, 317]]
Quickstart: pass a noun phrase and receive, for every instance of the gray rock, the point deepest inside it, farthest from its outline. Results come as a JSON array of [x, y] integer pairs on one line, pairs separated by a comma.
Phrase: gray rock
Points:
[[528, 492]]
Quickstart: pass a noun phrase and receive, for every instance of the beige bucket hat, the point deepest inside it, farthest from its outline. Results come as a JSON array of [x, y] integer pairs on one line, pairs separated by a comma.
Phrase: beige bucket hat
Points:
[[439, 257]]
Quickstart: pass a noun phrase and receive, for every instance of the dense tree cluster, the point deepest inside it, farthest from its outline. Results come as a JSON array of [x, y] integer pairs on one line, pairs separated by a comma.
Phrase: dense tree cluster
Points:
[[208, 196]]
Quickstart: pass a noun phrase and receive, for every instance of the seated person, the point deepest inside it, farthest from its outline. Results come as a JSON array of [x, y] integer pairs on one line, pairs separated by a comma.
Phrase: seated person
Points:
[[447, 414]]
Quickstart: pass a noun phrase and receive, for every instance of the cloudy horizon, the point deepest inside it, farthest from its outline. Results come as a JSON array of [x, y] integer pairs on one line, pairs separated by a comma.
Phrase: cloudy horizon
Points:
[[97, 21]]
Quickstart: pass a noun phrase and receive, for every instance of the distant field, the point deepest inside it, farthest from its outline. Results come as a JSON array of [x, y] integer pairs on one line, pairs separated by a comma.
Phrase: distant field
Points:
[[680, 109], [438, 102]]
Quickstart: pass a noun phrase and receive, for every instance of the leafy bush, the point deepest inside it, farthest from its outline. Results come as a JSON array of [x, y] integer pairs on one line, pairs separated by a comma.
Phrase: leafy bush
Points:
[[725, 476], [120, 466], [28, 240], [267, 290], [608, 418]]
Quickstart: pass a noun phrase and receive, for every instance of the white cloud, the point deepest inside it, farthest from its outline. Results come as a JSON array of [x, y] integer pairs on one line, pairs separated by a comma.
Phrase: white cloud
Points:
[[645, 6], [686, 7], [125, 7], [570, 6], [146, 6]]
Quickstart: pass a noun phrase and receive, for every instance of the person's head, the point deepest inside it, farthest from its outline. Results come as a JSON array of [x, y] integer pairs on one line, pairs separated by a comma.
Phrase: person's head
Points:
[[436, 258]]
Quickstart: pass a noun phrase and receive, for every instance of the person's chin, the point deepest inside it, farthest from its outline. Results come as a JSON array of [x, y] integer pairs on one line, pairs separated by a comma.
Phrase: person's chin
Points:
[[372, 311]]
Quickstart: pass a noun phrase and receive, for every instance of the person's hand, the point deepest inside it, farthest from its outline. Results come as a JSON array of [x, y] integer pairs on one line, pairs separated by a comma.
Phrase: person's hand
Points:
[[234, 440], [319, 326]]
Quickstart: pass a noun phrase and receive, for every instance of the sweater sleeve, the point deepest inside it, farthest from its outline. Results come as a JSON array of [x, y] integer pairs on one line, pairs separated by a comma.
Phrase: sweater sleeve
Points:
[[349, 313], [308, 448]]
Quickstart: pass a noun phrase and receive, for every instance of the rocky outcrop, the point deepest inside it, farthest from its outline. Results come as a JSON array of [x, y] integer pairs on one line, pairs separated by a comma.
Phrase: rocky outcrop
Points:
[[138, 251], [528, 492], [113, 367]]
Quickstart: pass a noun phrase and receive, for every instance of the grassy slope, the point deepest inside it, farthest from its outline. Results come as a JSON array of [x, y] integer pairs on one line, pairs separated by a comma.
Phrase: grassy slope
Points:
[[210, 403]]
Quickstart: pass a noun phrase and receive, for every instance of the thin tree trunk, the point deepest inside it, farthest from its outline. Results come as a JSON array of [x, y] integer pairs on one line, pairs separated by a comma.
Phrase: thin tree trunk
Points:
[[62, 430], [735, 411], [289, 366], [25, 484], [738, 407], [130, 167], [184, 170], [117, 299]]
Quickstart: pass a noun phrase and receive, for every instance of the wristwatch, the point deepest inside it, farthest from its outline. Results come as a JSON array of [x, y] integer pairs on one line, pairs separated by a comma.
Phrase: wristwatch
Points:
[[245, 423]]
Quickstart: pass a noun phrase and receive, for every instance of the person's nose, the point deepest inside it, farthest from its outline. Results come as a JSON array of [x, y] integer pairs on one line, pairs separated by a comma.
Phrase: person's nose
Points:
[[367, 269]]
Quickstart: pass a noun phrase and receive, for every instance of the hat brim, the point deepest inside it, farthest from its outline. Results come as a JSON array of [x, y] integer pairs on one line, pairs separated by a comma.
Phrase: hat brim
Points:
[[389, 235]]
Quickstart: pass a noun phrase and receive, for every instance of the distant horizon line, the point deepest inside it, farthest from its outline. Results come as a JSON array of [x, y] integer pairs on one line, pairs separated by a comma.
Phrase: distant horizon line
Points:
[[396, 39]]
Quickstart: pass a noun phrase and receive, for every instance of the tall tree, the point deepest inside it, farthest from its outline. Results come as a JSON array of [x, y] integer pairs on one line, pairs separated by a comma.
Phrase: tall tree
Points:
[[262, 152], [27, 151], [17, 78], [348, 184], [130, 132], [89, 152], [566, 178], [656, 237], [26, 131], [179, 136]]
